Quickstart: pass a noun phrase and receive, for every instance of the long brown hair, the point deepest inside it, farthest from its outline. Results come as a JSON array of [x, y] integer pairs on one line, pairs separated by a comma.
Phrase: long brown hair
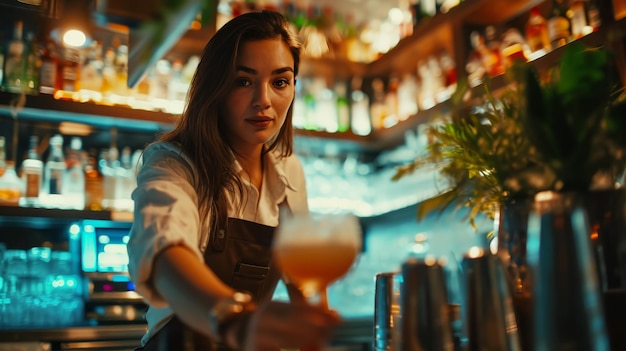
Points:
[[201, 129]]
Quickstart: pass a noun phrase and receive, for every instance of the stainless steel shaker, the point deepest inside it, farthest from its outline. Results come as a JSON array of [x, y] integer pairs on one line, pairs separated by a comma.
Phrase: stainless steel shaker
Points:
[[425, 322], [490, 320], [568, 312], [387, 311]]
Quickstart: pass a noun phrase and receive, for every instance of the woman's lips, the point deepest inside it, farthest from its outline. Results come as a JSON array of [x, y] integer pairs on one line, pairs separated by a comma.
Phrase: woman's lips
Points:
[[259, 122]]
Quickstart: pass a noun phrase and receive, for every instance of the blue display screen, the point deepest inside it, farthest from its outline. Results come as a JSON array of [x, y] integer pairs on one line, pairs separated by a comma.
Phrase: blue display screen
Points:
[[104, 249]]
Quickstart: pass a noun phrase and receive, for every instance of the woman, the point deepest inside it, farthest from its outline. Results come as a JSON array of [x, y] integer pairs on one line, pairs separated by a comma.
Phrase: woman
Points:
[[208, 198]]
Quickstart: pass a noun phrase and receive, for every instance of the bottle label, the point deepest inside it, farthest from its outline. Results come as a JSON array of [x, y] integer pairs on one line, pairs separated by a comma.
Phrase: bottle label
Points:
[[56, 177], [48, 77], [595, 21], [558, 28], [69, 78], [33, 181]]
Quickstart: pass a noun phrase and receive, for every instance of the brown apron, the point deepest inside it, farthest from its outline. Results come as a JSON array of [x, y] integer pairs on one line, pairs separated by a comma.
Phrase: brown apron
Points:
[[240, 256]]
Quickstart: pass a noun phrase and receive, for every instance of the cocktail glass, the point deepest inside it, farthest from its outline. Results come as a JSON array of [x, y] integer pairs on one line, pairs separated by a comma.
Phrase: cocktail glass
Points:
[[313, 252]]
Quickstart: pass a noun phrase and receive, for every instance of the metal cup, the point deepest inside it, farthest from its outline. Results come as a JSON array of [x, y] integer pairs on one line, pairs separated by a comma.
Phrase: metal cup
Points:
[[568, 312], [424, 307], [387, 311], [490, 320]]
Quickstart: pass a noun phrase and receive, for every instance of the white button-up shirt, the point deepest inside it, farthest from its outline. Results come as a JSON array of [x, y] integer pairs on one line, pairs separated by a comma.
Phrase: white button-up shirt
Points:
[[166, 212]]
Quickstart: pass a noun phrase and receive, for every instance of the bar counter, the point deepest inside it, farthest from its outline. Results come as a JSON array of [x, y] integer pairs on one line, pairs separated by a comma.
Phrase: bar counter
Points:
[[354, 334]]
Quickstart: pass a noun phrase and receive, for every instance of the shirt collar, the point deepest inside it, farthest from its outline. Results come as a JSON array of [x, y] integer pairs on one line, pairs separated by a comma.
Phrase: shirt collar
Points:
[[273, 160]]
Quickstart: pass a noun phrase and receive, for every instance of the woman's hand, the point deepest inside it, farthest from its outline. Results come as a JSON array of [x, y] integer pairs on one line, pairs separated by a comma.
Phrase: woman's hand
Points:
[[275, 325]]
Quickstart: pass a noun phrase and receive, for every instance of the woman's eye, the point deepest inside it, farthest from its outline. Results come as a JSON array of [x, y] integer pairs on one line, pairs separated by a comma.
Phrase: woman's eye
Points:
[[281, 83], [243, 82]]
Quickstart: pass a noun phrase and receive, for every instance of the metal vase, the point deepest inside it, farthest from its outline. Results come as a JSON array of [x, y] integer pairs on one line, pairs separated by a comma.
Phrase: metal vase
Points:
[[512, 223], [568, 313]]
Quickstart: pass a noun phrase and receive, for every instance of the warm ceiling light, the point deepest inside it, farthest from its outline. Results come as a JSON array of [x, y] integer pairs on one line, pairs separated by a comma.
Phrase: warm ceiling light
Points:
[[75, 38]]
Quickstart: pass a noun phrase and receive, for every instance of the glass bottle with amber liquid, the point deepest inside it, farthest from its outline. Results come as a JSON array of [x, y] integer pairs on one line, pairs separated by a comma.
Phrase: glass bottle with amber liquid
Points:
[[50, 74], [94, 184], [559, 27], [70, 74], [537, 34], [10, 186]]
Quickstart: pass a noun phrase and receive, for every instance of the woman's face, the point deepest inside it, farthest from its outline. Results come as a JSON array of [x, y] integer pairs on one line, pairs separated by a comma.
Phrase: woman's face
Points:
[[257, 106]]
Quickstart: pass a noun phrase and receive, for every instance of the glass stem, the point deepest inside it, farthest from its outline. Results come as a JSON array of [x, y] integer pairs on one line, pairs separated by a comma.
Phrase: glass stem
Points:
[[324, 299]]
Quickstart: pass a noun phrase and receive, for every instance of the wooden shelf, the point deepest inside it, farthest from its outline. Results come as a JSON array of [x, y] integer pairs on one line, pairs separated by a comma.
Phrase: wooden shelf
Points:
[[487, 12], [433, 35], [44, 107], [32, 212], [48, 215]]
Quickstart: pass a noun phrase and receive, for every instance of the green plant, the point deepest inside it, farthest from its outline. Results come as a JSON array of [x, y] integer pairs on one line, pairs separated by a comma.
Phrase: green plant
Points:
[[577, 118], [532, 136]]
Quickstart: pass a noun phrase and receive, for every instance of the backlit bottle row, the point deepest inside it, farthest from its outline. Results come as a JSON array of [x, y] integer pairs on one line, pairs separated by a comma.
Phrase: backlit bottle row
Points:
[[69, 178]]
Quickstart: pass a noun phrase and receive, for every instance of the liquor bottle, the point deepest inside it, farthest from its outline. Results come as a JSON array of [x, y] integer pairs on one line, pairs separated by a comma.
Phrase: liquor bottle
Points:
[[578, 19], [91, 74], [514, 47], [474, 66], [559, 29], [159, 85], [10, 186], [378, 109], [354, 49], [537, 36], [31, 66], [3, 155], [74, 176], [407, 97], [360, 121], [54, 171], [109, 164], [299, 108], [427, 98], [125, 179], [343, 107], [32, 173], [70, 74], [108, 76], [176, 89], [391, 102], [495, 61], [94, 184], [599, 12], [121, 91], [50, 73], [310, 104], [428, 8], [14, 60], [326, 110], [449, 71]]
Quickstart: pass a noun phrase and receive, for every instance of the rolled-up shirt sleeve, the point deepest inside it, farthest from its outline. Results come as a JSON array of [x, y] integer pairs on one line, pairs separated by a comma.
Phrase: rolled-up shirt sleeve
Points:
[[165, 214]]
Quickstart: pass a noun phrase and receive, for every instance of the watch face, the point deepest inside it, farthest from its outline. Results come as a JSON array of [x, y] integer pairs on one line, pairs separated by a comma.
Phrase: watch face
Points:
[[242, 297], [227, 307]]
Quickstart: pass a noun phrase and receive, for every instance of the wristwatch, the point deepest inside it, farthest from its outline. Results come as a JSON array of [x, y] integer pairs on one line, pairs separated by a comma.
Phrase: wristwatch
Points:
[[227, 310]]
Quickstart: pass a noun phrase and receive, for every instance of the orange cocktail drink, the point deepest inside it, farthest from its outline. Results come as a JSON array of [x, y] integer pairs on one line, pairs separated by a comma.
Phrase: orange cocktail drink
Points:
[[314, 266]]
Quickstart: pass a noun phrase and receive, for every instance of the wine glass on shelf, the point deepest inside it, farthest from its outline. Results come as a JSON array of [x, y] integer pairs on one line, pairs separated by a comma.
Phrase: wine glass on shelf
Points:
[[313, 252]]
